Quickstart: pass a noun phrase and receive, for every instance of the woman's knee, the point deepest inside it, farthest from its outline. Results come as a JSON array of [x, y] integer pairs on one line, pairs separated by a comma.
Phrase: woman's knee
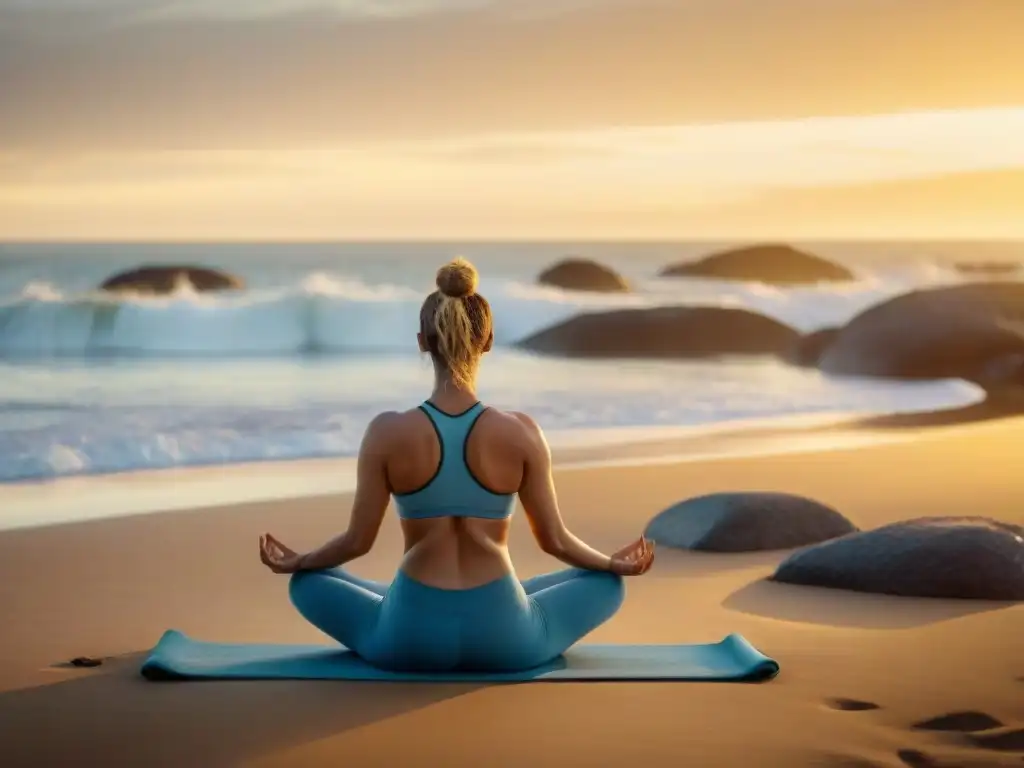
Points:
[[574, 609], [303, 586], [603, 591], [611, 587]]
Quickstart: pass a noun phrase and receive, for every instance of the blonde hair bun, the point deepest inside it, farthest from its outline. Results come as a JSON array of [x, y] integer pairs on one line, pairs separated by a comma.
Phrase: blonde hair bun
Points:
[[457, 279]]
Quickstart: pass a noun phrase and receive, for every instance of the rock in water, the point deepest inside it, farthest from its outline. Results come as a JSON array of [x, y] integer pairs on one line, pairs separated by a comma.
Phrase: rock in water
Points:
[[951, 332], [747, 522], [664, 332], [583, 275], [951, 557], [770, 263], [161, 280], [810, 347]]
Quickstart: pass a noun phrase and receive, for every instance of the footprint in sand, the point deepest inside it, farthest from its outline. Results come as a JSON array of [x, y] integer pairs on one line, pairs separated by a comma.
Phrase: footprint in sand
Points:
[[980, 730], [962, 722], [916, 759], [846, 761], [851, 705], [1002, 740]]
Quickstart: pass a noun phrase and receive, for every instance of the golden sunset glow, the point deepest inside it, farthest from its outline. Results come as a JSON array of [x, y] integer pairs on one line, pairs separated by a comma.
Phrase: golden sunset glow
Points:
[[353, 119]]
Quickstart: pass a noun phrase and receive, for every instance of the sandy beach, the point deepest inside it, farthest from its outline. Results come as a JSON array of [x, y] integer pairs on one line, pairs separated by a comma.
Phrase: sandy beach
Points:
[[109, 588]]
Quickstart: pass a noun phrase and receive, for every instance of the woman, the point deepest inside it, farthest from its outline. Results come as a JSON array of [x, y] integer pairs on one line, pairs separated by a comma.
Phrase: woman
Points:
[[454, 469]]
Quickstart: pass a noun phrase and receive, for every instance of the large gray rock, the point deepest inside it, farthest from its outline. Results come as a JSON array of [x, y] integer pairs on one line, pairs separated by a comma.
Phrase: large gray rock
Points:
[[583, 275], [747, 522], [771, 263], [664, 332], [164, 279], [1006, 372], [952, 557], [951, 332]]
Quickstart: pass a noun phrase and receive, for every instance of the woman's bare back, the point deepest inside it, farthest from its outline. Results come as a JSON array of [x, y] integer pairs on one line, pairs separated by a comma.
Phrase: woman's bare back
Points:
[[456, 552]]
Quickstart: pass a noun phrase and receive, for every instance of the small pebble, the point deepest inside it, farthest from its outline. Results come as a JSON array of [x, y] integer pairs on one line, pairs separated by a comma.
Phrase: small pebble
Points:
[[86, 661]]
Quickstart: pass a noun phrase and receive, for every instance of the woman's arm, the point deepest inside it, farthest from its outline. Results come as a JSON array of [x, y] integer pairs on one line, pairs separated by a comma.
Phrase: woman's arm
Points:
[[537, 493], [371, 501]]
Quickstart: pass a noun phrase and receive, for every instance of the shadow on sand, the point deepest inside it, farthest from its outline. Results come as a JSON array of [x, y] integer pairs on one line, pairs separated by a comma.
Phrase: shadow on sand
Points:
[[676, 563], [112, 716], [839, 608]]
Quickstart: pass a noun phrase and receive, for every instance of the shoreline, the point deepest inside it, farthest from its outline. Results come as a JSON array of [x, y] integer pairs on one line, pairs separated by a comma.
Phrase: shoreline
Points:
[[74, 498], [997, 404], [78, 498]]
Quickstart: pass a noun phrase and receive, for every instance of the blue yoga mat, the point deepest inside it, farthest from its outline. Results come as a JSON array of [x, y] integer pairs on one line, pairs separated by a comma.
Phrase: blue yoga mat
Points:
[[177, 657]]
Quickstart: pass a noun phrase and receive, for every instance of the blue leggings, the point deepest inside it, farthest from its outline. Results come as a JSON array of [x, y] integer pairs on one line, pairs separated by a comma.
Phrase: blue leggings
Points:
[[501, 626]]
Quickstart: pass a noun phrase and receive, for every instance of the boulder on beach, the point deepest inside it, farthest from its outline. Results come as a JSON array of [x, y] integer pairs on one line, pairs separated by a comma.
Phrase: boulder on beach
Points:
[[809, 348], [950, 332], [164, 279], [771, 263], [583, 275], [664, 332], [747, 522], [950, 557]]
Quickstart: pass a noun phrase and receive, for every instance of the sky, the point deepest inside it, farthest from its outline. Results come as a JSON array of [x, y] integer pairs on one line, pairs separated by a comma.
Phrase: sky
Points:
[[398, 119]]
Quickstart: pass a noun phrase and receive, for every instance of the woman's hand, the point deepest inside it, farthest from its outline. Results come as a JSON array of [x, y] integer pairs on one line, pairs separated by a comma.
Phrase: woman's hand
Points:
[[634, 559], [277, 557]]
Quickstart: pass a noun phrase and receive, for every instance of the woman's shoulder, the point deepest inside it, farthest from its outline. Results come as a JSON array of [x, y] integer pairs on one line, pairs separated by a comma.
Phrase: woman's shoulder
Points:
[[387, 425], [518, 424]]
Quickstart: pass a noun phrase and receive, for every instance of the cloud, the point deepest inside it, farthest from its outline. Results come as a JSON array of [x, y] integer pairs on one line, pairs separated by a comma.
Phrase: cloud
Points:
[[978, 205], [808, 152], [127, 12], [28, 21], [754, 174], [380, 9], [985, 204], [130, 117], [314, 78], [800, 153]]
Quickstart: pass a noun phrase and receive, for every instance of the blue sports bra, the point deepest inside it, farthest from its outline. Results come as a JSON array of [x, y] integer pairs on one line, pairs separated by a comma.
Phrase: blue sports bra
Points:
[[454, 491]]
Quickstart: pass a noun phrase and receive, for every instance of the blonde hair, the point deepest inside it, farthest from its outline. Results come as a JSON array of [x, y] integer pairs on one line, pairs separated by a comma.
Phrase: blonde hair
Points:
[[456, 321]]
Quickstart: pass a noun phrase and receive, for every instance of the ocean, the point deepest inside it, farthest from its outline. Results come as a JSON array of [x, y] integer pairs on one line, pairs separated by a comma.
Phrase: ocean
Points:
[[323, 338]]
